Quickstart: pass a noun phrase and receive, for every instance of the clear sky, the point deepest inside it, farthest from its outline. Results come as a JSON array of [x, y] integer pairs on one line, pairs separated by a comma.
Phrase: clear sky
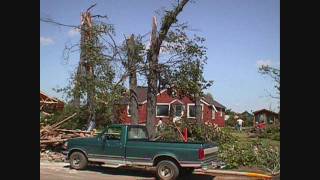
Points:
[[240, 35]]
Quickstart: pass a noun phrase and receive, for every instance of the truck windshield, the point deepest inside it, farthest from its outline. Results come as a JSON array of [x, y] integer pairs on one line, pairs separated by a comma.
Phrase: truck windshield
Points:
[[137, 133]]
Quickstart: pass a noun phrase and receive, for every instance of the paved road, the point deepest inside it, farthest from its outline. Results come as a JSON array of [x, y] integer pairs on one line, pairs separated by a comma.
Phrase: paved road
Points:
[[61, 171]]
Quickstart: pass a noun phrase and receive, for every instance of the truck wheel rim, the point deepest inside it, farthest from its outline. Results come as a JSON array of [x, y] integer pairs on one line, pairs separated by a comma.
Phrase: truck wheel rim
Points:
[[76, 160], [165, 171]]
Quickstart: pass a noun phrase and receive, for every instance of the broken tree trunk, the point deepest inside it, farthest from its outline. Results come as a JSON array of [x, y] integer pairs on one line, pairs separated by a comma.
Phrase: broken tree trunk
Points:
[[152, 59], [152, 80], [132, 63]]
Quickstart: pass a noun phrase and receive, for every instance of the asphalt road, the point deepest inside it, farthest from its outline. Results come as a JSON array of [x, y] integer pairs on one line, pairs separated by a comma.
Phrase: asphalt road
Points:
[[61, 171]]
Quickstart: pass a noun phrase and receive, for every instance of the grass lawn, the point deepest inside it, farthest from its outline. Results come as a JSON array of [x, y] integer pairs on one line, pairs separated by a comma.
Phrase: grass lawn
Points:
[[243, 137]]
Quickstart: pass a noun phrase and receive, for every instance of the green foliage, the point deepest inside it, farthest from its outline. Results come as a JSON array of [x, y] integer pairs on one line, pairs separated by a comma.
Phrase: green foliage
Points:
[[196, 132], [271, 132], [237, 154], [231, 122], [234, 153], [257, 154], [186, 59], [101, 84]]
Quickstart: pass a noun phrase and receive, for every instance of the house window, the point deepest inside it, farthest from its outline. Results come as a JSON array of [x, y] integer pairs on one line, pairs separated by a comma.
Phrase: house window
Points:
[[221, 113], [178, 112], [192, 111], [162, 110], [213, 114]]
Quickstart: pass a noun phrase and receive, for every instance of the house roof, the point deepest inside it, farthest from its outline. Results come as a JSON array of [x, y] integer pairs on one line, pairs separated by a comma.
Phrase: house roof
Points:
[[45, 97], [210, 100], [264, 110], [141, 94], [246, 113], [142, 97]]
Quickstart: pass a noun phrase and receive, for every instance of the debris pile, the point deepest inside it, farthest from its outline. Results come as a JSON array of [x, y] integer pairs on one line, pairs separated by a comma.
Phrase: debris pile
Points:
[[52, 156], [52, 137]]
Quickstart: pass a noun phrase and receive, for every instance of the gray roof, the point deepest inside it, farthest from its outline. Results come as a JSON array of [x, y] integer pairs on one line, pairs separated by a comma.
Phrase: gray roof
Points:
[[210, 100]]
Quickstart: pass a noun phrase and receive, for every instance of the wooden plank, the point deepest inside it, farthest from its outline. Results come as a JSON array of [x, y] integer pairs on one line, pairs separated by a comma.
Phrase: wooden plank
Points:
[[61, 122]]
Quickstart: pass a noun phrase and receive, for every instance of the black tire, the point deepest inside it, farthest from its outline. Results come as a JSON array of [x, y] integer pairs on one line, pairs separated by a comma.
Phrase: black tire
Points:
[[167, 170], [78, 160]]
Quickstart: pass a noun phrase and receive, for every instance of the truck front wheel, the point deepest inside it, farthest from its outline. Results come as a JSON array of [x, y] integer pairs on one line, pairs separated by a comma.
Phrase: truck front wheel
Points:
[[167, 170], [78, 160]]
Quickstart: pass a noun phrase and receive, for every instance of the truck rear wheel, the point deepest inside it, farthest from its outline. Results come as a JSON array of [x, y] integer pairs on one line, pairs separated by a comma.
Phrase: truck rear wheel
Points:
[[167, 170], [78, 160]]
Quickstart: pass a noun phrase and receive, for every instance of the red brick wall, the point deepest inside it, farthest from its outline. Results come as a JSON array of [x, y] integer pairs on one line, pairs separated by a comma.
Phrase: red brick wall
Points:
[[165, 98]]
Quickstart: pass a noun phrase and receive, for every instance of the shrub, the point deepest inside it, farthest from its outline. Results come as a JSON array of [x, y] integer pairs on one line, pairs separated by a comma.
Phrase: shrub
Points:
[[232, 152], [196, 132], [257, 154], [271, 132]]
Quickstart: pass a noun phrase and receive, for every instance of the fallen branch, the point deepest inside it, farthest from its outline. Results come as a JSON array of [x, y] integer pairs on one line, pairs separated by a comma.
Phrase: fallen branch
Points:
[[57, 125]]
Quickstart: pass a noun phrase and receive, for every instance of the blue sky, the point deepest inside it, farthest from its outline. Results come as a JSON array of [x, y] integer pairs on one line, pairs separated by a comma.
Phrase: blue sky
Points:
[[240, 35]]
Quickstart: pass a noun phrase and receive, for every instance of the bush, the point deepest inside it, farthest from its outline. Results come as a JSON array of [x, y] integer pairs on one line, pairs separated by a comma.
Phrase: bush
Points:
[[271, 132], [196, 132], [232, 152]]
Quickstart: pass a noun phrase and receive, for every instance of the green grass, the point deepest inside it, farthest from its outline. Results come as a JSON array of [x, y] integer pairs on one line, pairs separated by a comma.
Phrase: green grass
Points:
[[244, 138]]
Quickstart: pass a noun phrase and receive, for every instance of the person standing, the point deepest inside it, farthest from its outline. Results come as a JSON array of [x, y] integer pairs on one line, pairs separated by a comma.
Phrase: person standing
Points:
[[239, 123]]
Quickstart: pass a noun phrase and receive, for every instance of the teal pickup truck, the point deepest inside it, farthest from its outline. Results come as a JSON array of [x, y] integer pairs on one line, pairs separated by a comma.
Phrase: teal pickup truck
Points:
[[128, 145]]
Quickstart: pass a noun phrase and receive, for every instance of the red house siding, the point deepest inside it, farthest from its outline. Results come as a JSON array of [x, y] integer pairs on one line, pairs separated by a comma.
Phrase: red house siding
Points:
[[165, 98]]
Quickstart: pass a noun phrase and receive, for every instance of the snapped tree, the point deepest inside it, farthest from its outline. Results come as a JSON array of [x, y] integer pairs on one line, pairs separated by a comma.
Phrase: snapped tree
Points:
[[94, 87], [153, 61], [134, 49]]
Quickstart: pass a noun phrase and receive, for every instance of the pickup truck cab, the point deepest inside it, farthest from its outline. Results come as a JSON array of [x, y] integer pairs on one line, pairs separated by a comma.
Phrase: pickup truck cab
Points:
[[128, 145]]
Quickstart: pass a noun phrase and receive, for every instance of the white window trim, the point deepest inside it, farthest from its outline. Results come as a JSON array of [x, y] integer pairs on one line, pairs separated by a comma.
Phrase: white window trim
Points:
[[175, 101], [168, 104], [193, 104], [128, 114]]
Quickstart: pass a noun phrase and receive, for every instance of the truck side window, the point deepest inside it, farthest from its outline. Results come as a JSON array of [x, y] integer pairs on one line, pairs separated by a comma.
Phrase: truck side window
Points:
[[113, 133], [137, 133]]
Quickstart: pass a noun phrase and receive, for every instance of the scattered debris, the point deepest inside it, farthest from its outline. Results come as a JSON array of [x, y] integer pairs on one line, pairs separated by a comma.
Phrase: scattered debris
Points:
[[52, 156], [51, 137]]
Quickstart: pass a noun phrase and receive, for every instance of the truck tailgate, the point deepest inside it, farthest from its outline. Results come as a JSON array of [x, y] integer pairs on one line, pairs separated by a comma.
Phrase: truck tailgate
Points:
[[211, 156]]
